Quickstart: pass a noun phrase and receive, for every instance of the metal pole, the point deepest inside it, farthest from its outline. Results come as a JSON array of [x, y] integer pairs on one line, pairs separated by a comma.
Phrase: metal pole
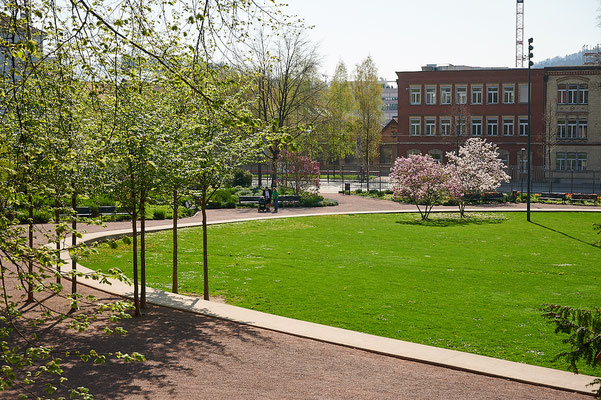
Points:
[[529, 138]]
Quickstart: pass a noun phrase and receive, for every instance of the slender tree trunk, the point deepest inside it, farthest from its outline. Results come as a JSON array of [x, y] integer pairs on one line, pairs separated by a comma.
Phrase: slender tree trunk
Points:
[[205, 260], [175, 207], [30, 262], [57, 216], [367, 164], [134, 227], [260, 175], [143, 249], [74, 243]]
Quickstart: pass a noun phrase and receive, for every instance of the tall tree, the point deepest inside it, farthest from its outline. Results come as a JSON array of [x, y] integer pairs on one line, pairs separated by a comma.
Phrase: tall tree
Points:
[[286, 86], [333, 138], [368, 97], [476, 169]]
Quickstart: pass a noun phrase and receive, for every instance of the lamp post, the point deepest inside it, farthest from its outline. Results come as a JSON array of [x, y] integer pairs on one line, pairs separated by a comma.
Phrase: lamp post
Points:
[[530, 64]]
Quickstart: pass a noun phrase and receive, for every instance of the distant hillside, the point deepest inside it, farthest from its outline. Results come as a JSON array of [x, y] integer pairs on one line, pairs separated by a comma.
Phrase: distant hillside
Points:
[[568, 60]]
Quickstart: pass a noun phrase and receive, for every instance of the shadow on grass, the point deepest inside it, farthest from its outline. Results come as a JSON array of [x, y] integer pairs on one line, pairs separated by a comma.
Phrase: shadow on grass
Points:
[[444, 220], [596, 245]]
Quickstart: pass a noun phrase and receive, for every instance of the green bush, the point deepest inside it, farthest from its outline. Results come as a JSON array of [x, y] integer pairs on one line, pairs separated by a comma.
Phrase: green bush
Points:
[[158, 214], [311, 200], [242, 178]]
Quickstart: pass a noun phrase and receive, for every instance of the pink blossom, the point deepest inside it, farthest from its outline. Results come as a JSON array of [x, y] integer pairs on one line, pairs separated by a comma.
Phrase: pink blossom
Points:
[[421, 180]]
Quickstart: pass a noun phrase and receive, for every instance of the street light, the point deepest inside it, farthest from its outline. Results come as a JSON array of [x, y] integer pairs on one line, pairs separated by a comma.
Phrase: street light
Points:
[[530, 64]]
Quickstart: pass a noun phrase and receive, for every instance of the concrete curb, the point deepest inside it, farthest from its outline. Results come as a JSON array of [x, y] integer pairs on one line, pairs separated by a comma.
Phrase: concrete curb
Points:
[[391, 347]]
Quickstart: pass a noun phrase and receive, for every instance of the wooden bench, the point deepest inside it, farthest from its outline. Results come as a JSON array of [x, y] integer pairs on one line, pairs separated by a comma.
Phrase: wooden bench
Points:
[[110, 210], [553, 196], [289, 199], [249, 199], [484, 197], [580, 196]]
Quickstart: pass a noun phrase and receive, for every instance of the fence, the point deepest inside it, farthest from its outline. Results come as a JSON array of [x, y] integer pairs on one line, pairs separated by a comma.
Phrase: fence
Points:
[[543, 180]]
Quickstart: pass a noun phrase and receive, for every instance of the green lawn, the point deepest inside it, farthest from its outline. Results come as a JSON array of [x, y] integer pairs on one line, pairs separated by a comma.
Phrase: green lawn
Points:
[[474, 287]]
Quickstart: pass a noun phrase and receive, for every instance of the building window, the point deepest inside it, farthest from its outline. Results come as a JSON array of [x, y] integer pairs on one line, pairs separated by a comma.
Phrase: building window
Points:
[[445, 126], [460, 126], [507, 126], [583, 94], [415, 127], [461, 92], [572, 129], [581, 162], [430, 126], [492, 126], [492, 94], [416, 95], [476, 94], [504, 156], [523, 93], [508, 94], [431, 95], [445, 95], [436, 155], [571, 161], [413, 152], [562, 132], [476, 126], [523, 127], [572, 94], [560, 161], [582, 129]]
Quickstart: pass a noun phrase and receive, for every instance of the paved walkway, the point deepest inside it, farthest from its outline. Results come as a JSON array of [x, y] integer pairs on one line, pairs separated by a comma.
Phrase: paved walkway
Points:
[[405, 350]]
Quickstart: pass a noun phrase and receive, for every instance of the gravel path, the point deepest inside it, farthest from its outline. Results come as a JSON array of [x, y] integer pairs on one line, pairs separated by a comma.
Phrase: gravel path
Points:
[[198, 357]]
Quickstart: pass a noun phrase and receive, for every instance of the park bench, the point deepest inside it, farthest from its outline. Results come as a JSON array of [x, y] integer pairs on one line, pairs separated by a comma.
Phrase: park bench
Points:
[[580, 196], [289, 199], [553, 196], [484, 197], [110, 210], [249, 199], [286, 199]]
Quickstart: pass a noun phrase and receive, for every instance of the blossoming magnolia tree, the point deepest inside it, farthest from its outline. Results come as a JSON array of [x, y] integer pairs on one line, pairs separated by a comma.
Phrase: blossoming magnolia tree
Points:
[[298, 172], [420, 179], [476, 169]]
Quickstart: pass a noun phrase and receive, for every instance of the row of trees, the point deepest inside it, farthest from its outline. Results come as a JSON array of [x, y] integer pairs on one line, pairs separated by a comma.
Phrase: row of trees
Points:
[[474, 169], [132, 101]]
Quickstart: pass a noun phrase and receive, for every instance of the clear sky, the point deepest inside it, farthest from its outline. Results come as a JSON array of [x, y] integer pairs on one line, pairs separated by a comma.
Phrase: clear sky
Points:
[[403, 35]]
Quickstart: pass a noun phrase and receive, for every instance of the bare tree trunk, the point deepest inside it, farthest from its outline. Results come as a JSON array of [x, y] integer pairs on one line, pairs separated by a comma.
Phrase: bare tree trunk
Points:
[[74, 243], [134, 228], [30, 262], [205, 259], [143, 249], [260, 175], [57, 216], [175, 207]]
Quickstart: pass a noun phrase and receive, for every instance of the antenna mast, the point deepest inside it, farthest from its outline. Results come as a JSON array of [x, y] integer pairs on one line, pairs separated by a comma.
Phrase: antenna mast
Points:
[[519, 34]]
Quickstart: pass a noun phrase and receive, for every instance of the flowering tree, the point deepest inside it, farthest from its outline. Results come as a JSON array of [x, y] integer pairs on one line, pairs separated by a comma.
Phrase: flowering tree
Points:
[[298, 172], [420, 179], [476, 169]]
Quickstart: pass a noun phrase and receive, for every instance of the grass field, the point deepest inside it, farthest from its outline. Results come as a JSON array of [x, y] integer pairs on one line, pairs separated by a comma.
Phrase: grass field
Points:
[[473, 286]]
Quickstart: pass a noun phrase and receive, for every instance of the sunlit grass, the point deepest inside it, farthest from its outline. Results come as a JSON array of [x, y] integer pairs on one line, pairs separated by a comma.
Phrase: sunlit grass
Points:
[[474, 285]]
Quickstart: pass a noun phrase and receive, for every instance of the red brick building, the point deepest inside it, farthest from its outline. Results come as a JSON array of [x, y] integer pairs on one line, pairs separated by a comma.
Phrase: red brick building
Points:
[[440, 107]]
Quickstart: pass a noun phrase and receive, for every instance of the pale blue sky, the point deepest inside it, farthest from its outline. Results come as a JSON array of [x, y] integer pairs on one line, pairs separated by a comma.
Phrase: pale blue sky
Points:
[[403, 35]]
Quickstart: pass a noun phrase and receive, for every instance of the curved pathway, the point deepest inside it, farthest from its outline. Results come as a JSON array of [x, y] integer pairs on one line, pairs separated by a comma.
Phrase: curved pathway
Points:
[[248, 354]]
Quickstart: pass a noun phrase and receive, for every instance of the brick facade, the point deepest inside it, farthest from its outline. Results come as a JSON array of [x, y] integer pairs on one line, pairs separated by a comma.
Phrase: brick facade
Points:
[[435, 105]]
